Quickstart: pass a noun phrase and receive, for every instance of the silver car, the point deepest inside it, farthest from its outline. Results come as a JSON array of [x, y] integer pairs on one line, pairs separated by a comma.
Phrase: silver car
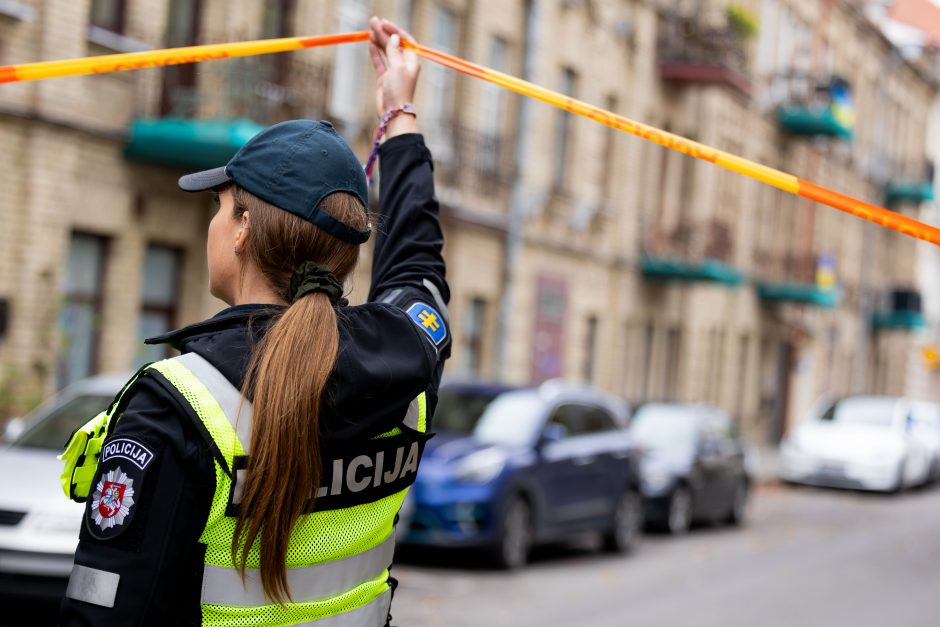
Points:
[[38, 525]]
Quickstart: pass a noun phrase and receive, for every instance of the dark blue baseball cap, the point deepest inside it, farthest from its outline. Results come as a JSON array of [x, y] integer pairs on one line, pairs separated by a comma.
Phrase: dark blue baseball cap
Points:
[[294, 165]]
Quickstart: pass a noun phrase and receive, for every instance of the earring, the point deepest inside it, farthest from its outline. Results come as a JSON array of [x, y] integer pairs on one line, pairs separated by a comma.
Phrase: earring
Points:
[[235, 249]]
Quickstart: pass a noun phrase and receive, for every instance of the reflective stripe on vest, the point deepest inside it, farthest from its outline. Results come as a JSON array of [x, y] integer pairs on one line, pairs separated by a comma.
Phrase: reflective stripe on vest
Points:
[[223, 586], [375, 612], [337, 560], [236, 407]]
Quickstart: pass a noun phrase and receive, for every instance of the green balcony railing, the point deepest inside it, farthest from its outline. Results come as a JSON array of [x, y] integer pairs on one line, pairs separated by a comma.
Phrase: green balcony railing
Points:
[[901, 320], [808, 120], [186, 143], [914, 192], [805, 293], [678, 269]]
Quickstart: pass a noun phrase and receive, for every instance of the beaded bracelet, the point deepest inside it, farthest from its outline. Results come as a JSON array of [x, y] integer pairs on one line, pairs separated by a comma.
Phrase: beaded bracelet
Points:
[[380, 132]]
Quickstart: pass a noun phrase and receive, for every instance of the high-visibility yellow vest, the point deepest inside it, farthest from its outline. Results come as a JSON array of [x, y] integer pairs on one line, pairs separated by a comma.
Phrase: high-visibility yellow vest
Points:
[[339, 554]]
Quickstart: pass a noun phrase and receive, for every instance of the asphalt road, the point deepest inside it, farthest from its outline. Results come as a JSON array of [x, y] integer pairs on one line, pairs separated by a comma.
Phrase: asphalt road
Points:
[[806, 557]]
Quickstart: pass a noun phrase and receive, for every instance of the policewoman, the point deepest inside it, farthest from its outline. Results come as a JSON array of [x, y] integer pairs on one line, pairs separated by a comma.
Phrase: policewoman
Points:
[[256, 478]]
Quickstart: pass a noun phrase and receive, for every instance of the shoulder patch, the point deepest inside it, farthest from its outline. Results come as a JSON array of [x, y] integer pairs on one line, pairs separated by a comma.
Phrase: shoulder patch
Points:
[[129, 449], [429, 320], [112, 504]]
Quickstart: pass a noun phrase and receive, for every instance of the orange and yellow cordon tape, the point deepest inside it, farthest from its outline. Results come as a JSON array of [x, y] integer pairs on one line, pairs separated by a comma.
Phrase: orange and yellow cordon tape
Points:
[[192, 54]]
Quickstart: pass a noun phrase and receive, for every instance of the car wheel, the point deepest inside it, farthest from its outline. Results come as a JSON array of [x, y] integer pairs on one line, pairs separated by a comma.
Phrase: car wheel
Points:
[[515, 537], [627, 525], [739, 504], [679, 517]]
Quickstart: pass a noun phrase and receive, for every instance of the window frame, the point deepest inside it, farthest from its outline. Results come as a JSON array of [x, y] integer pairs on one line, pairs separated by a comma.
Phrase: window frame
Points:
[[95, 300], [118, 23], [171, 311]]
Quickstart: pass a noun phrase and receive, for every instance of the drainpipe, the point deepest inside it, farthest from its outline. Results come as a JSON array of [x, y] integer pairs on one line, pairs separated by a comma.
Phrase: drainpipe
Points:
[[518, 205]]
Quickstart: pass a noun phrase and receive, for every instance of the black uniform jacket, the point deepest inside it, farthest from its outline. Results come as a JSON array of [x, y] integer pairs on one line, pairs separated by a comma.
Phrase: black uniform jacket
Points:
[[386, 358]]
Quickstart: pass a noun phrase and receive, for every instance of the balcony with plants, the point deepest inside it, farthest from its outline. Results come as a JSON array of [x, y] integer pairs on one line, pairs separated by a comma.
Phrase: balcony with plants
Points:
[[707, 46], [816, 106], [802, 279]]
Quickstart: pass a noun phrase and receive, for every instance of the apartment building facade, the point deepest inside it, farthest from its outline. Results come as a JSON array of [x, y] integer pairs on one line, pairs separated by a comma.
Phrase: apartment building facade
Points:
[[573, 250]]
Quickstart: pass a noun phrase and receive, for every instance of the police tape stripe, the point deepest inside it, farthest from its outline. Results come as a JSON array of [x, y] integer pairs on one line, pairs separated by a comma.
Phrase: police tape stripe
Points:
[[771, 176], [223, 586], [236, 407]]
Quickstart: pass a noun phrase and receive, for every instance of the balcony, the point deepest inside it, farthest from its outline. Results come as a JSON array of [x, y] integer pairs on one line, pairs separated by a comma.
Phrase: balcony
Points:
[[693, 254], [817, 108], [205, 124], [463, 153], [799, 279], [910, 192], [186, 143], [901, 311], [911, 186], [695, 50]]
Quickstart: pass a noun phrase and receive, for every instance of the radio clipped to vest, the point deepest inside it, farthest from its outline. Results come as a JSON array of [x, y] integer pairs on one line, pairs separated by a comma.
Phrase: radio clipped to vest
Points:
[[83, 450]]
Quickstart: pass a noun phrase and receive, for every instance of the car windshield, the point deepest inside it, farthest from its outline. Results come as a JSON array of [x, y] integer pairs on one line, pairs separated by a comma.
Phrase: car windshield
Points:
[[660, 426], [863, 411], [459, 410], [513, 419], [53, 430]]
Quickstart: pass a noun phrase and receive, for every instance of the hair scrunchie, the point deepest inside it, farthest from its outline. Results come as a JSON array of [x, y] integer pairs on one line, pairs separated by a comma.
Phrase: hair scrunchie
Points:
[[311, 278]]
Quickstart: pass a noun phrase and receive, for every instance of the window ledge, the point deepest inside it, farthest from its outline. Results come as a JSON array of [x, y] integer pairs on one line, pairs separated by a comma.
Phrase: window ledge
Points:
[[17, 10], [114, 41]]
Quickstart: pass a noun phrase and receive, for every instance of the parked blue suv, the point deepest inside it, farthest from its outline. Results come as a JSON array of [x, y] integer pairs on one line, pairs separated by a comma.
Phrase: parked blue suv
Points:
[[511, 467]]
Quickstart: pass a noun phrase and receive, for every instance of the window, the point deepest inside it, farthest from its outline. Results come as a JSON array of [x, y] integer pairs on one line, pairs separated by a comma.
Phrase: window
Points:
[[159, 296], [671, 391], [179, 81], [646, 368], [108, 14], [598, 420], [348, 77], [608, 153], [275, 23], [473, 336], [404, 13], [80, 318], [441, 83], [570, 418], [562, 130], [590, 349], [493, 110]]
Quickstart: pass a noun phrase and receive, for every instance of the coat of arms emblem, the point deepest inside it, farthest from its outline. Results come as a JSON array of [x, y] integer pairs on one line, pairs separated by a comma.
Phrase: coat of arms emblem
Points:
[[112, 499]]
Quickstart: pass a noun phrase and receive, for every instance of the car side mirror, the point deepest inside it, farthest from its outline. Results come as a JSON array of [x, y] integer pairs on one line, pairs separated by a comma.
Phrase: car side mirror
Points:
[[553, 433], [13, 429]]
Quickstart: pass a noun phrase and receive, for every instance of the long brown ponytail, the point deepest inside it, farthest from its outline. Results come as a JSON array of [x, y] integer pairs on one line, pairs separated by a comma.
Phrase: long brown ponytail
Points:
[[286, 378]]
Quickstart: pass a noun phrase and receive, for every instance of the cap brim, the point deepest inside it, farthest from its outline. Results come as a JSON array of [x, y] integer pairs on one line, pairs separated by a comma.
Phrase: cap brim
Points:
[[205, 180]]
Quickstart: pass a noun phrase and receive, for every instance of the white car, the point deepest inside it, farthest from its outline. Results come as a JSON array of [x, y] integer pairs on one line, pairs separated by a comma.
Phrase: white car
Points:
[[38, 525], [926, 428], [860, 442]]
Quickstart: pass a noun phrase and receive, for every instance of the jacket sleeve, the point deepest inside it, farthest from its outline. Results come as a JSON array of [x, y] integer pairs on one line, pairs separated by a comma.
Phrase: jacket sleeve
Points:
[[407, 267], [139, 560]]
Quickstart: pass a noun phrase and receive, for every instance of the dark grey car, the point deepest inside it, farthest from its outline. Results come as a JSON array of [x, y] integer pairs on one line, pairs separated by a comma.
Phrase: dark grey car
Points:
[[693, 466]]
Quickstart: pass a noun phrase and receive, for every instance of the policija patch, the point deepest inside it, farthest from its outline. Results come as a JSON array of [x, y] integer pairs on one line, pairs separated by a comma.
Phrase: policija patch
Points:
[[112, 504]]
